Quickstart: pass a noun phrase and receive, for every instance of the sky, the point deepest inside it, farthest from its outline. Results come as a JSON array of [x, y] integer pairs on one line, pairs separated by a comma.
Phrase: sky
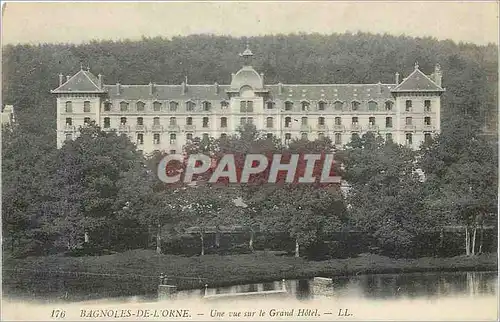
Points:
[[77, 22]]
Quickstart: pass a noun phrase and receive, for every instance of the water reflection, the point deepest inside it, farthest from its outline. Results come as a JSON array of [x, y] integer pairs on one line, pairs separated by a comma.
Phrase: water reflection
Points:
[[380, 286]]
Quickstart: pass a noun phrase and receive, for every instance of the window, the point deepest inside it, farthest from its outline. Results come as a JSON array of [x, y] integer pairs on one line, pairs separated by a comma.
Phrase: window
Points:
[[189, 106], [408, 105], [189, 136], [140, 121], [140, 138], [246, 120], [304, 121], [156, 138], [288, 138], [371, 120], [303, 136], [86, 121], [321, 106], [246, 106], [205, 122], [172, 106], [388, 137], [338, 105], [123, 120], [270, 105], [223, 122], [388, 122], [409, 139], [157, 107], [207, 106], [372, 106], [173, 138], [355, 120], [338, 121], [321, 136], [408, 121], [173, 121], [69, 121], [269, 122], [86, 107], [288, 106], [427, 105], [107, 106], [305, 106], [355, 106], [338, 138], [123, 106], [427, 138], [139, 106], [205, 136], [321, 121], [223, 136], [189, 120], [156, 121], [389, 105], [224, 105], [288, 120], [69, 107], [269, 135], [107, 123], [69, 137], [427, 120]]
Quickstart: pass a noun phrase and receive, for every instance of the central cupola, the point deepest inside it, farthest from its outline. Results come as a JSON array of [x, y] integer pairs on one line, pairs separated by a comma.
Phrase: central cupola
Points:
[[247, 78]]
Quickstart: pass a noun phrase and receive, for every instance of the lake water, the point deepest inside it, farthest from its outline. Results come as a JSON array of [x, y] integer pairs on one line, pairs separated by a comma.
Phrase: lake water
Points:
[[436, 296]]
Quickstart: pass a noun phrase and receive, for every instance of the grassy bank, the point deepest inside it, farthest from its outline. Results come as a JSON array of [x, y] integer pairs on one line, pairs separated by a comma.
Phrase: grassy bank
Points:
[[137, 272]]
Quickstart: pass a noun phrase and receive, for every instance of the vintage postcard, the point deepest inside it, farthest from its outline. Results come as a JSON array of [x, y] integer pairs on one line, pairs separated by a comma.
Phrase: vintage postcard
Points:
[[249, 161]]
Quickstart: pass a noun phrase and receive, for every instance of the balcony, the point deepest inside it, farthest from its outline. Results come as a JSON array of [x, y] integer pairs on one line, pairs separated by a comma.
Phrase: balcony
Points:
[[140, 128], [69, 128], [190, 127], [372, 127], [123, 128], [409, 127], [157, 128], [321, 127], [339, 128], [355, 127], [173, 128]]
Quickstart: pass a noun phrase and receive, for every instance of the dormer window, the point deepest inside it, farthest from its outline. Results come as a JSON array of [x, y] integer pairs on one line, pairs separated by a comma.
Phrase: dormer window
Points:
[[157, 106], [355, 105], [305, 106], [224, 105], [321, 106], [107, 106], [270, 105], [139, 106], [190, 106], [207, 106], [372, 106], [338, 105], [388, 105], [123, 106], [288, 106], [173, 106]]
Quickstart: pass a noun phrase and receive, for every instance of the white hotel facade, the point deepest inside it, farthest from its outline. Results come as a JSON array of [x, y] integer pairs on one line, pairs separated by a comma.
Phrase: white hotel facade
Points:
[[165, 117]]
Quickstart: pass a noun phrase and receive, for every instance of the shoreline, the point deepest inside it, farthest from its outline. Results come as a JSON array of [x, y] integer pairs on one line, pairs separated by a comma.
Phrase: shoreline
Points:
[[96, 275]]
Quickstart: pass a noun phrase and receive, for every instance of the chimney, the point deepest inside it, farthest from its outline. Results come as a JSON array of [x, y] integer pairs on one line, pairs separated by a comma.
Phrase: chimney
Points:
[[438, 75], [397, 78], [118, 88], [379, 88], [216, 85], [151, 87], [184, 88], [99, 83], [67, 77], [61, 79], [280, 88]]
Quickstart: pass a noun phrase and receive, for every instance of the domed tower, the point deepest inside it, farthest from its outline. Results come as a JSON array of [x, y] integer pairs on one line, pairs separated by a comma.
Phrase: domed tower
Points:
[[247, 81]]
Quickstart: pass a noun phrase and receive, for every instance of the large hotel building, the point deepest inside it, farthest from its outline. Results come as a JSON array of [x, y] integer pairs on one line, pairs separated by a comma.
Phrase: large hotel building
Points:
[[165, 117]]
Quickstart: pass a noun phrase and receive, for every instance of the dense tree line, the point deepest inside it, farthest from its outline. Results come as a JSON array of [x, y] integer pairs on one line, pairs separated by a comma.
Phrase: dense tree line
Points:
[[98, 190]]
